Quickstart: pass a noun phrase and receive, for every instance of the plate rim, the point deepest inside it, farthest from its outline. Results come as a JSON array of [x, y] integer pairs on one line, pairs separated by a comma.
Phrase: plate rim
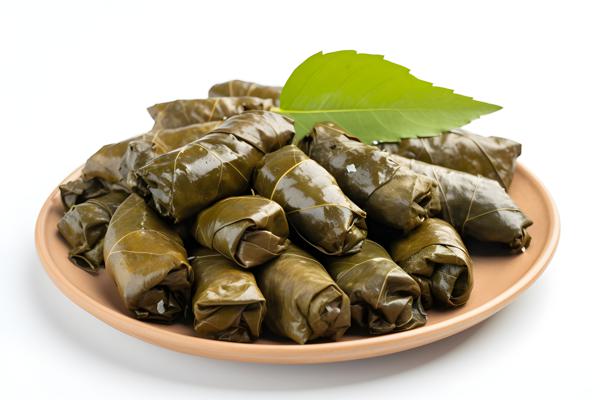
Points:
[[309, 353]]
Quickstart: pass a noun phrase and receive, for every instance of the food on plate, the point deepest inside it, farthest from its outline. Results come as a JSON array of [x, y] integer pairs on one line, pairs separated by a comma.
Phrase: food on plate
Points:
[[303, 302], [79, 190], [148, 263], [159, 141], [250, 230], [383, 297], [178, 113], [477, 207], [242, 88], [435, 256], [390, 194], [227, 303], [220, 164], [83, 227], [317, 209], [492, 157]]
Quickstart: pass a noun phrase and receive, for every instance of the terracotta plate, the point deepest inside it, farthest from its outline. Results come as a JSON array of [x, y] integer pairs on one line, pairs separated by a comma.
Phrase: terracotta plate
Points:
[[499, 279]]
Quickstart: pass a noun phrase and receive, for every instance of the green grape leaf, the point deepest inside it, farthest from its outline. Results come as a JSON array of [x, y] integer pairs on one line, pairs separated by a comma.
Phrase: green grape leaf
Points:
[[373, 98]]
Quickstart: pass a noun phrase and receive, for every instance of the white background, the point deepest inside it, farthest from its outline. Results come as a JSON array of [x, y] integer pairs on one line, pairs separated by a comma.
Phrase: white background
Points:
[[76, 75]]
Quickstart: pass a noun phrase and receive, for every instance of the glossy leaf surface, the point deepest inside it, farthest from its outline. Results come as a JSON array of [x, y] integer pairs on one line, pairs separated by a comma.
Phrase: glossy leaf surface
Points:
[[303, 302], [147, 261], [250, 230], [492, 157], [436, 257], [316, 208], [227, 303], [242, 88], [383, 297], [218, 165], [390, 194]]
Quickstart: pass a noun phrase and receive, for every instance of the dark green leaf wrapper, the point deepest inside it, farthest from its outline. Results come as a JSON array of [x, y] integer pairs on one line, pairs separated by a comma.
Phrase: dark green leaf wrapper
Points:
[[105, 164], [250, 230], [383, 297], [492, 157], [148, 263], [390, 194], [227, 303], [316, 207], [236, 88], [304, 303], [437, 258], [178, 113], [218, 165], [79, 190], [159, 141], [476, 206], [84, 227]]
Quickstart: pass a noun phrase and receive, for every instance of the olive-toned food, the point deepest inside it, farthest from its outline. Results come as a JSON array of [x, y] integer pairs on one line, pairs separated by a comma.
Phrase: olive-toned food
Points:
[[147, 261], [218, 165], [242, 88], [390, 194], [227, 303], [476, 206], [492, 157], [79, 190], [383, 297], [316, 208], [436, 257], [178, 113], [84, 227], [303, 302], [157, 142], [106, 162], [249, 230]]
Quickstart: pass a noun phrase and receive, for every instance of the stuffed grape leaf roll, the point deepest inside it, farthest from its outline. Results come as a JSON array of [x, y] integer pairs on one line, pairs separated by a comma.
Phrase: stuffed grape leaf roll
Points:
[[250, 230], [492, 157], [390, 194], [242, 88], [178, 113], [476, 206], [83, 227], [105, 164], [383, 297], [148, 263], [227, 303], [437, 258], [316, 208], [157, 142], [303, 302], [80, 190], [218, 165]]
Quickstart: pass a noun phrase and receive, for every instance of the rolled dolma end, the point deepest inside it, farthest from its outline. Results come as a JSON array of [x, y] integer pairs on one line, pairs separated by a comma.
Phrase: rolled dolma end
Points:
[[178, 113], [383, 297], [105, 163], [227, 303], [389, 193], [243, 88], [84, 226], [79, 190], [492, 157], [436, 257], [304, 302], [316, 207], [148, 263], [249, 230]]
